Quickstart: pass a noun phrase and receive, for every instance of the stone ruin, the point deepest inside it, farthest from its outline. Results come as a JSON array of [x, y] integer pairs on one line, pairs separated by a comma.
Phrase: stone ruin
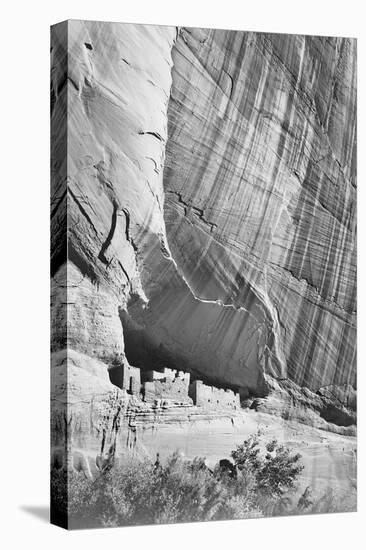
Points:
[[169, 384], [176, 386], [131, 379], [211, 397]]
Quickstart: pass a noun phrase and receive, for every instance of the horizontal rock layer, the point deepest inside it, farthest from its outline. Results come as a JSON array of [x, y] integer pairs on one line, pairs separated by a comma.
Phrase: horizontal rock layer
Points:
[[103, 421]]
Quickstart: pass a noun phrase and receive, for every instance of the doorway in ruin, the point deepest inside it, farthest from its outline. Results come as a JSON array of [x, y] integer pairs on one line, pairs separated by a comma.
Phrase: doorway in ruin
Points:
[[116, 375]]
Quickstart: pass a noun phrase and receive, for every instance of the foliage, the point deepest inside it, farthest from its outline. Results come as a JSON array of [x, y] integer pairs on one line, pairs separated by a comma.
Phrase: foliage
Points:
[[181, 490], [305, 501], [276, 472], [332, 501]]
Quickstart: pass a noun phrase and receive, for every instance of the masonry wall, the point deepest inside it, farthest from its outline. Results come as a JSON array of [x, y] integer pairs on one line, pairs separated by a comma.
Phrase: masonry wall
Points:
[[175, 389], [165, 374], [213, 398], [131, 380]]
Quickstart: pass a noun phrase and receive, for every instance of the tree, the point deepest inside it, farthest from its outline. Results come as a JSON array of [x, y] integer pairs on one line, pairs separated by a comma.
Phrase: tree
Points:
[[279, 470], [246, 456], [275, 472]]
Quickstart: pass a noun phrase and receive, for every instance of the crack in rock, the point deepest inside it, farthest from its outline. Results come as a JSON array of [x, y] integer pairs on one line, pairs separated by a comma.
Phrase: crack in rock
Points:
[[189, 207]]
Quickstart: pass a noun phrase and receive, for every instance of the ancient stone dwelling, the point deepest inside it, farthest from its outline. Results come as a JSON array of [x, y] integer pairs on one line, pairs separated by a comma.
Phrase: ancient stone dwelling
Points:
[[175, 386], [213, 398], [169, 384], [131, 379]]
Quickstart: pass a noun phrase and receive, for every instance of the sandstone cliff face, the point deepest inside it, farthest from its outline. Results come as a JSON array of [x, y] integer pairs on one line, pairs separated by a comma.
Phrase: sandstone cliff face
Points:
[[260, 192], [110, 86], [207, 183]]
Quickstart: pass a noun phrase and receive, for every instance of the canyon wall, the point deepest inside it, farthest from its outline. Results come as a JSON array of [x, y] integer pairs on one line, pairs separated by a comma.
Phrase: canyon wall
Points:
[[260, 211], [203, 219]]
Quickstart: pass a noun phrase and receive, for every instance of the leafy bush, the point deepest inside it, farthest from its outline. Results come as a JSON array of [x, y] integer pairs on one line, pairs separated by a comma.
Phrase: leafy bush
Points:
[[246, 456], [332, 502], [183, 490], [276, 472]]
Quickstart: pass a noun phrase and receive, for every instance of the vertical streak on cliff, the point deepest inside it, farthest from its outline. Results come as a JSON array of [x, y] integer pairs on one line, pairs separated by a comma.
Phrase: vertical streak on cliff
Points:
[[259, 201], [271, 346]]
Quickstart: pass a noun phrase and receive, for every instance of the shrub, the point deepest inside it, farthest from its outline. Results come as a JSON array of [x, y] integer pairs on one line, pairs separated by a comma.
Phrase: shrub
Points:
[[276, 472], [279, 470], [332, 501], [181, 490], [305, 500], [246, 455]]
